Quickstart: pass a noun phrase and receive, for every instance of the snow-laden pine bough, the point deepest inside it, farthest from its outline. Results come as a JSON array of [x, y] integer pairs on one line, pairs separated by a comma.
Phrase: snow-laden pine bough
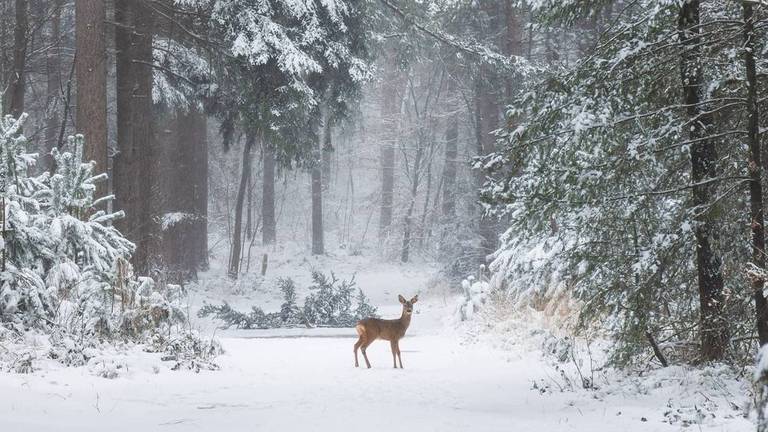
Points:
[[393, 330]]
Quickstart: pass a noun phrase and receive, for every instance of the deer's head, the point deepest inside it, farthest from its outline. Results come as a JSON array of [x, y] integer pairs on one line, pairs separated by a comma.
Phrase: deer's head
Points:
[[408, 304]]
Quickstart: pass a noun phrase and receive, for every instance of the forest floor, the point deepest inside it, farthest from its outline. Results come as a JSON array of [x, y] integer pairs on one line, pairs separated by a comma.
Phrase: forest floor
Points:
[[304, 380]]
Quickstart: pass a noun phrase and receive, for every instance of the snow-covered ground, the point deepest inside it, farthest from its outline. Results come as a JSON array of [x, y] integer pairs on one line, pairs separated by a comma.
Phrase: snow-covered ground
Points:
[[304, 380]]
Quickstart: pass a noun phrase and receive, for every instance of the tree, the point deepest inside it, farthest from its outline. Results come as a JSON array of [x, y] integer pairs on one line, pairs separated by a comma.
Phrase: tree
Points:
[[91, 69], [390, 110], [133, 164], [14, 104], [714, 329], [234, 256], [53, 88], [755, 169], [318, 243], [637, 154], [269, 224], [293, 75]]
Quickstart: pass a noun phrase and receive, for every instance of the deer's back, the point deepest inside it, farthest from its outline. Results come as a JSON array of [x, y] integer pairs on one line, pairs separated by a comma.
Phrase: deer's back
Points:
[[387, 329]]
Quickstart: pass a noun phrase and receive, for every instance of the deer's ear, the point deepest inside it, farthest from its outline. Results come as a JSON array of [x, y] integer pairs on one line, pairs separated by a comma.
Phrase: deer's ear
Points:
[[401, 298], [415, 299]]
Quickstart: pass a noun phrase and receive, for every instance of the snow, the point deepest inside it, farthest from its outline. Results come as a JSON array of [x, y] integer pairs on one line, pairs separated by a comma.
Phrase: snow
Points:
[[304, 379]]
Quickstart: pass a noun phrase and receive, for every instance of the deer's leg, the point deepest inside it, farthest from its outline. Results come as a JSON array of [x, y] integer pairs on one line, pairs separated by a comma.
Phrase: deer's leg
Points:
[[365, 356], [393, 346], [397, 346], [357, 345]]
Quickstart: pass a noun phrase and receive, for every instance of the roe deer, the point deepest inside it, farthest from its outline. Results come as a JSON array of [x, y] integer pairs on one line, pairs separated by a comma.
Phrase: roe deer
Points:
[[392, 330]]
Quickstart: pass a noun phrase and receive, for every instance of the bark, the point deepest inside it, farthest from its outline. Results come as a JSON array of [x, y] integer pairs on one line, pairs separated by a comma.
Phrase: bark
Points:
[[133, 168], [269, 230], [713, 325], [91, 77], [14, 103], [757, 215], [234, 256], [52, 89]]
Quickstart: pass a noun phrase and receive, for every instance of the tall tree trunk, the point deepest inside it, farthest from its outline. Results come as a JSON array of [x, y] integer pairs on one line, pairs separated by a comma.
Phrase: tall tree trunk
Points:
[[133, 165], [450, 164], [755, 171], [407, 223], [318, 246], [52, 89], [14, 104], [179, 206], [269, 228], [327, 152], [513, 40], [487, 112], [318, 243], [91, 77], [704, 172], [234, 256], [200, 187], [390, 111], [249, 209]]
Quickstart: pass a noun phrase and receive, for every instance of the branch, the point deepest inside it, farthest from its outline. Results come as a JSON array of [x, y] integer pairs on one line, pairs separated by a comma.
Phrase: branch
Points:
[[472, 48]]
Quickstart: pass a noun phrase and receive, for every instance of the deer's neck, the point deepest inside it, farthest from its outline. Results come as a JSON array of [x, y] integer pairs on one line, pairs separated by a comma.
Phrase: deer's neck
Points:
[[405, 321]]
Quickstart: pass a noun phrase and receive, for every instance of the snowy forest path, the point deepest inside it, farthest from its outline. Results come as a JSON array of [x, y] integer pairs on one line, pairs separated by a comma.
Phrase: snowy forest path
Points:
[[305, 380]]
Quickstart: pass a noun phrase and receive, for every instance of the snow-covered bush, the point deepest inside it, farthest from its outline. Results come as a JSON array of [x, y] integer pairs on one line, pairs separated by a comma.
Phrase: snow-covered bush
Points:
[[66, 270], [761, 389], [474, 294], [329, 305]]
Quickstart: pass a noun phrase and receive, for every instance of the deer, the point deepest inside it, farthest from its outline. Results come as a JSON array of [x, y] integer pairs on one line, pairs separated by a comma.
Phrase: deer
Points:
[[392, 330]]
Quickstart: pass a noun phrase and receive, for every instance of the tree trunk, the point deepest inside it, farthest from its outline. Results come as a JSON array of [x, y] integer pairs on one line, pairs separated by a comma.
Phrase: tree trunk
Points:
[[181, 220], [91, 77], [269, 228], [513, 40], [133, 165], [318, 244], [714, 330], [450, 166], [487, 113], [249, 209], [406, 249], [755, 171], [200, 187], [327, 152], [14, 104], [52, 89], [234, 256], [390, 111]]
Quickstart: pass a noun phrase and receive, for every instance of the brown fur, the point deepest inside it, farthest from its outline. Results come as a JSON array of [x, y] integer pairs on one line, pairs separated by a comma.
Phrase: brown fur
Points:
[[392, 330]]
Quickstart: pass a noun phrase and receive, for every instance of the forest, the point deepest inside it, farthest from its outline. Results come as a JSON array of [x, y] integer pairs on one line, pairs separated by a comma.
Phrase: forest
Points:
[[210, 206]]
